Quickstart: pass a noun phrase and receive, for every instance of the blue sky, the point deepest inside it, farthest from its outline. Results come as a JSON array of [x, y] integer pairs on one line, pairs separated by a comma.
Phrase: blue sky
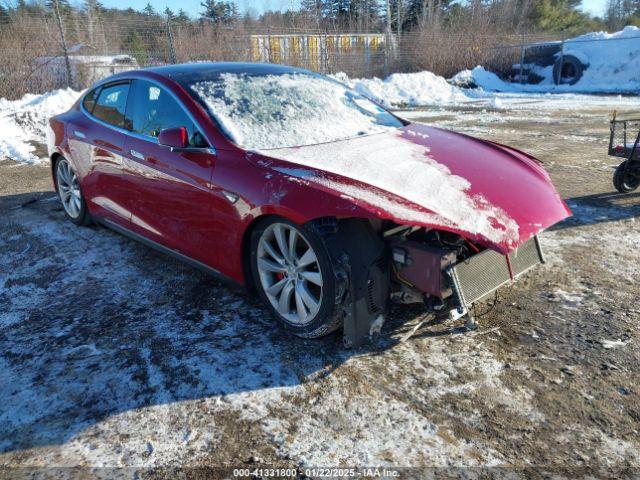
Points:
[[193, 6], [595, 7]]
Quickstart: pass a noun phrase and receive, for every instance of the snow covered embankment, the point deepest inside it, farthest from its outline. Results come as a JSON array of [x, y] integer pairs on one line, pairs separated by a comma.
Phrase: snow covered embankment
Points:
[[612, 63], [406, 89], [23, 122]]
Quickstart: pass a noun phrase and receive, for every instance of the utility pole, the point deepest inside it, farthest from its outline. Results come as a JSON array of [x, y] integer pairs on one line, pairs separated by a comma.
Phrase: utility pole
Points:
[[399, 18], [388, 19], [390, 46], [172, 51], [65, 51]]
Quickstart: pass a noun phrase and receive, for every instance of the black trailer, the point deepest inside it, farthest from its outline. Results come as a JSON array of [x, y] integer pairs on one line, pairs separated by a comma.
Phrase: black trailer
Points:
[[623, 143]]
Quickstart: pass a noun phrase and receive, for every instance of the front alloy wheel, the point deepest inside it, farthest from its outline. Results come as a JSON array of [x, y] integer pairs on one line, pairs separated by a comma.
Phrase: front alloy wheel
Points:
[[289, 273], [294, 277]]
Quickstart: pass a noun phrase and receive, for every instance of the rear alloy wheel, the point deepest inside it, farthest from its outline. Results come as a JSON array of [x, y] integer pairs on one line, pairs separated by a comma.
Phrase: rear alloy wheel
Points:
[[70, 193], [628, 181], [294, 277]]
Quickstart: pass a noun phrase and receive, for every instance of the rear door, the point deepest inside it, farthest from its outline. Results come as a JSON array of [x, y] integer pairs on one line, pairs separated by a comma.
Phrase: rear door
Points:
[[172, 203], [97, 145]]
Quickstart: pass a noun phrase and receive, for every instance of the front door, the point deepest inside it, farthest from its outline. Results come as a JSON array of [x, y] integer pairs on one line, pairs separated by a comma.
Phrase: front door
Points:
[[172, 202]]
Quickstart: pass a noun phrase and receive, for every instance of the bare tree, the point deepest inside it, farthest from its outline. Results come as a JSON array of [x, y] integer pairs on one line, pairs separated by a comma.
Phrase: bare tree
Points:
[[63, 41]]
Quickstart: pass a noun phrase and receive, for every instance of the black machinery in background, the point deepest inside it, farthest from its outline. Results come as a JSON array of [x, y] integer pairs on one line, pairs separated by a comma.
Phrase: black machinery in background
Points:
[[623, 143]]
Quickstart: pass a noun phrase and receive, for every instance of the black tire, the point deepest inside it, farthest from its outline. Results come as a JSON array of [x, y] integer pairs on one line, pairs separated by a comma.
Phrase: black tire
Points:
[[83, 218], [567, 70], [625, 182], [329, 316]]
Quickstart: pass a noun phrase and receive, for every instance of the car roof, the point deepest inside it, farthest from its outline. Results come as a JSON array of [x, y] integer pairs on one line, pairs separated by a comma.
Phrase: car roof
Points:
[[187, 72]]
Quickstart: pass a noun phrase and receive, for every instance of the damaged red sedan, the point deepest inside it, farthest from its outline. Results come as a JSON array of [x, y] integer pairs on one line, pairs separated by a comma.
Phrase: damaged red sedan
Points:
[[301, 189]]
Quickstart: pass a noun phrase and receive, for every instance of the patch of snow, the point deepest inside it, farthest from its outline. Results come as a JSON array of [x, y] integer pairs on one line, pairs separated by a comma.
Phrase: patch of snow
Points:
[[616, 451], [23, 123], [611, 344], [343, 421], [414, 176], [379, 430], [463, 79], [569, 301]]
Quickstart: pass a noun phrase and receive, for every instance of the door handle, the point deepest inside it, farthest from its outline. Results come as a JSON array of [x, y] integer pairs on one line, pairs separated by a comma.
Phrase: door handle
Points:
[[137, 154], [79, 134]]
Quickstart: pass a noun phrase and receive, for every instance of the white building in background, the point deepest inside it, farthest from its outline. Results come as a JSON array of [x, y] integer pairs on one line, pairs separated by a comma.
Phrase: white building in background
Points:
[[85, 69]]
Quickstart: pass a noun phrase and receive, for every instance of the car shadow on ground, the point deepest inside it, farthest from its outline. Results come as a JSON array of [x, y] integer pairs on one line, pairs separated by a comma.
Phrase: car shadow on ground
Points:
[[600, 208], [93, 324]]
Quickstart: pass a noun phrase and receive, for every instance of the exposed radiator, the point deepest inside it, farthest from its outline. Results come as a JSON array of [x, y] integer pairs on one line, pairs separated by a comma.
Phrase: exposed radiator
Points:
[[478, 276]]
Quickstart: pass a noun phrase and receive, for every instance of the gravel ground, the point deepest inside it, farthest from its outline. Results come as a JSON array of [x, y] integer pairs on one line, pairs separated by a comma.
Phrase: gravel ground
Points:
[[112, 355]]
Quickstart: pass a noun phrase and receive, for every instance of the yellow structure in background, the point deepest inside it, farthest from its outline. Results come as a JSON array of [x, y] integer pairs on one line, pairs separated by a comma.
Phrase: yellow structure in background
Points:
[[315, 52]]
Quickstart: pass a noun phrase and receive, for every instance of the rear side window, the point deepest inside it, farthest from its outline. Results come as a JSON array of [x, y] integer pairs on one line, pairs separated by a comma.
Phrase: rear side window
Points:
[[90, 99], [111, 104], [152, 108]]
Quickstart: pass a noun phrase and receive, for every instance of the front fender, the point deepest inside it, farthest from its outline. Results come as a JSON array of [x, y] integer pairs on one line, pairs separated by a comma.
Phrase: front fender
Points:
[[297, 194]]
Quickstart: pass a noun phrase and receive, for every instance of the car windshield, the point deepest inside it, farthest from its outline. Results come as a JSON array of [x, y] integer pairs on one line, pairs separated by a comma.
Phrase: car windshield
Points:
[[289, 109]]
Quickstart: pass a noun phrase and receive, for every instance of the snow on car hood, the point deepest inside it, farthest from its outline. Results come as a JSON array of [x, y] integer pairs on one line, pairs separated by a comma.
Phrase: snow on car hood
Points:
[[432, 177]]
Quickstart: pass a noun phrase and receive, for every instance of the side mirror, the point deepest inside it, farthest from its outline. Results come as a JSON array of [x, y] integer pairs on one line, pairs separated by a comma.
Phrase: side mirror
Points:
[[174, 137]]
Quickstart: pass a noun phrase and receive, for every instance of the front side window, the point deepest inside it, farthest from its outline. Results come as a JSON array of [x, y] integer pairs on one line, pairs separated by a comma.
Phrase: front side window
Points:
[[152, 109], [111, 104]]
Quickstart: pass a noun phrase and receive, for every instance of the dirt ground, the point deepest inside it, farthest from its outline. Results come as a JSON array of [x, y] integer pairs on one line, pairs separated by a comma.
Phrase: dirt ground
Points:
[[112, 355]]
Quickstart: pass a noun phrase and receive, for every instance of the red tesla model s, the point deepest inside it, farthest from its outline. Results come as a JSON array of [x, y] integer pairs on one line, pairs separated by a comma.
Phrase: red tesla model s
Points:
[[301, 189]]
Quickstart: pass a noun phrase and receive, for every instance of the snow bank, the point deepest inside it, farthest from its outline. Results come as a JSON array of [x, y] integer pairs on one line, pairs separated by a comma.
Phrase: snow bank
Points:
[[613, 66], [406, 89], [23, 122]]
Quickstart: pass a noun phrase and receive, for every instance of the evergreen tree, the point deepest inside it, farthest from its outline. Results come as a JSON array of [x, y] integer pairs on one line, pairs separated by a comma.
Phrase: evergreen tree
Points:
[[313, 9], [365, 14], [337, 10], [560, 16], [64, 7], [4, 15], [423, 13], [92, 9], [149, 11], [24, 7], [93, 6], [182, 17], [220, 11], [133, 43], [311, 6]]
